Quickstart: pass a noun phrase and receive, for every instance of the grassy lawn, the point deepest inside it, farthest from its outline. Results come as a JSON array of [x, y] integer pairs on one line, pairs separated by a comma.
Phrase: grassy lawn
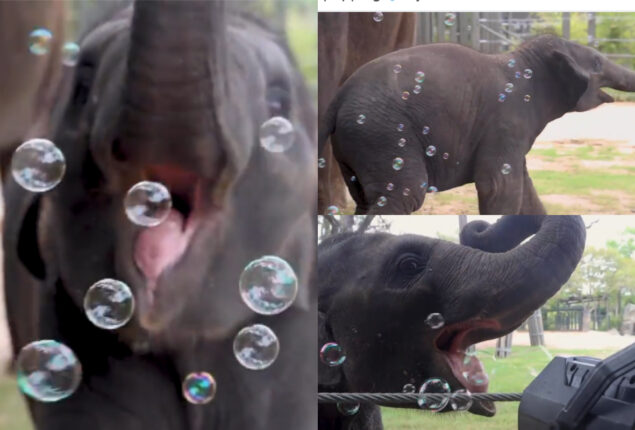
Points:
[[511, 374]]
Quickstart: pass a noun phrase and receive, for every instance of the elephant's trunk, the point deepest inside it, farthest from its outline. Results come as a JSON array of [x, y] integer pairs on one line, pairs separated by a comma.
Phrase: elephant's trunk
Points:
[[176, 76], [618, 77], [507, 286]]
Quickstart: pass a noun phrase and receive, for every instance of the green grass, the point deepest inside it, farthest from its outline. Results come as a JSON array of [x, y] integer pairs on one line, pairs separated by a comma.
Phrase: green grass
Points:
[[581, 182], [302, 36], [620, 96], [13, 413], [511, 374]]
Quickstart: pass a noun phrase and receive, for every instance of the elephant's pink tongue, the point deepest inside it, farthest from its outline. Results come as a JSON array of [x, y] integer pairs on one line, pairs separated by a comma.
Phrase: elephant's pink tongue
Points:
[[158, 248]]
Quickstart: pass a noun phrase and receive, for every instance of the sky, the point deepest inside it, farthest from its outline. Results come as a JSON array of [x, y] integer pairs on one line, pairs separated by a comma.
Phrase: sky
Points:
[[604, 228]]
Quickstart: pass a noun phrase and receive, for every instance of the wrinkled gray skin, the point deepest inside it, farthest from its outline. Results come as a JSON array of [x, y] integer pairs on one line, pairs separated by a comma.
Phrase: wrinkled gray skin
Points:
[[376, 291], [459, 103], [175, 93], [28, 86]]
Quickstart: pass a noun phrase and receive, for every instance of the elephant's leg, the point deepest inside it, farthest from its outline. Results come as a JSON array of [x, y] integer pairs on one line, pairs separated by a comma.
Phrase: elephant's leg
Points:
[[499, 183], [531, 204]]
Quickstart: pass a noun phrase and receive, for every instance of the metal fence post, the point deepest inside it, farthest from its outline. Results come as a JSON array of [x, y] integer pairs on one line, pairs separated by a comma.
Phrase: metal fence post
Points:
[[536, 332], [566, 25]]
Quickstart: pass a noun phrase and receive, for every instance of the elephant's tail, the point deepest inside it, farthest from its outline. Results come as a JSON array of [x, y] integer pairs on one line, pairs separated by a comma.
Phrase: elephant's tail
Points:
[[327, 126]]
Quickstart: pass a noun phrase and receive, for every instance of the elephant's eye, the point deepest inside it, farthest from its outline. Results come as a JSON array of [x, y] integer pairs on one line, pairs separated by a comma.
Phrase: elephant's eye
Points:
[[409, 264], [278, 101]]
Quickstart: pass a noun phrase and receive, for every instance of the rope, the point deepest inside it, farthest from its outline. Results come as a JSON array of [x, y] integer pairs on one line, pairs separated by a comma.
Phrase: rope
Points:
[[391, 399]]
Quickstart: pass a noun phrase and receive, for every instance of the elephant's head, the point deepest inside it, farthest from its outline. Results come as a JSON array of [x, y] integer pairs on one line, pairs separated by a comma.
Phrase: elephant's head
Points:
[[377, 290], [176, 92], [580, 72]]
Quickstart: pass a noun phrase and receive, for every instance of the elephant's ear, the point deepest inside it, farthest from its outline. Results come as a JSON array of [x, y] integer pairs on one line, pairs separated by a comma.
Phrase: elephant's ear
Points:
[[328, 377]]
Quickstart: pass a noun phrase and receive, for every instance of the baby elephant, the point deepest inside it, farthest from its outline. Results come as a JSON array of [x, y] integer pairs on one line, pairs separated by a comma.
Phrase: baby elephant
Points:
[[434, 117]]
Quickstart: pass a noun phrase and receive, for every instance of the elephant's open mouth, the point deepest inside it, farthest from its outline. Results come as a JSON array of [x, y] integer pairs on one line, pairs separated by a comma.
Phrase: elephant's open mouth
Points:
[[158, 250]]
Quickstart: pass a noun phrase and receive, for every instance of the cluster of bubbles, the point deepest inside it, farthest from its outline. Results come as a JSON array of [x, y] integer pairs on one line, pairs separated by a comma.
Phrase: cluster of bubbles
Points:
[[109, 304], [332, 354], [40, 40], [148, 203], [509, 87], [277, 134], [199, 388]]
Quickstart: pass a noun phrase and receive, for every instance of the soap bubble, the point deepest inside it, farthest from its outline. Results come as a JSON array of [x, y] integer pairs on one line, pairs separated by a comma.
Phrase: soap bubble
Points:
[[431, 150], [432, 189], [353, 178], [361, 119], [378, 17], [268, 285], [348, 409], [506, 169], [517, 74], [390, 186], [400, 127], [38, 165], [405, 95], [511, 63], [478, 378], [381, 201], [417, 89], [527, 98], [277, 134], [332, 354], [332, 210], [109, 304], [426, 130], [40, 41], [420, 77], [424, 184], [199, 388], [509, 87], [406, 192], [397, 68], [435, 320], [148, 203], [397, 163], [450, 19], [446, 155], [401, 142], [321, 163], [408, 388], [70, 54], [433, 386], [528, 73], [501, 97], [256, 347], [48, 371], [459, 404]]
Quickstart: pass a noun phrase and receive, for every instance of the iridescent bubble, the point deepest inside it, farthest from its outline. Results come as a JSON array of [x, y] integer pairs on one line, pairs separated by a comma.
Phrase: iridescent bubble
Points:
[[361, 119], [38, 165], [420, 77], [446, 155], [432, 189], [408, 388], [40, 41], [405, 95], [406, 192], [478, 378], [517, 75], [511, 63], [400, 127], [506, 169], [424, 184], [509, 87], [268, 285], [332, 354], [256, 347], [390, 186], [435, 320], [397, 68], [353, 178], [501, 97], [450, 19], [148, 203], [109, 304], [417, 89], [321, 163], [431, 151], [527, 98], [199, 388], [426, 130], [381, 201], [397, 163], [433, 386], [458, 402], [332, 210], [277, 134], [401, 142], [70, 54], [528, 73], [48, 371], [378, 17], [348, 409]]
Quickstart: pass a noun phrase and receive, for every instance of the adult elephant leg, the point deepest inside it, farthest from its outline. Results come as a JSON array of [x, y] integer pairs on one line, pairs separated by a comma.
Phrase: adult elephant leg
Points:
[[499, 183], [531, 204]]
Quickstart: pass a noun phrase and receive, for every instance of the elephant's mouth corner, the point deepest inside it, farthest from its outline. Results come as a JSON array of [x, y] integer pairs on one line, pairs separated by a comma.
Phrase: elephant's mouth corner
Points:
[[453, 341], [159, 250]]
